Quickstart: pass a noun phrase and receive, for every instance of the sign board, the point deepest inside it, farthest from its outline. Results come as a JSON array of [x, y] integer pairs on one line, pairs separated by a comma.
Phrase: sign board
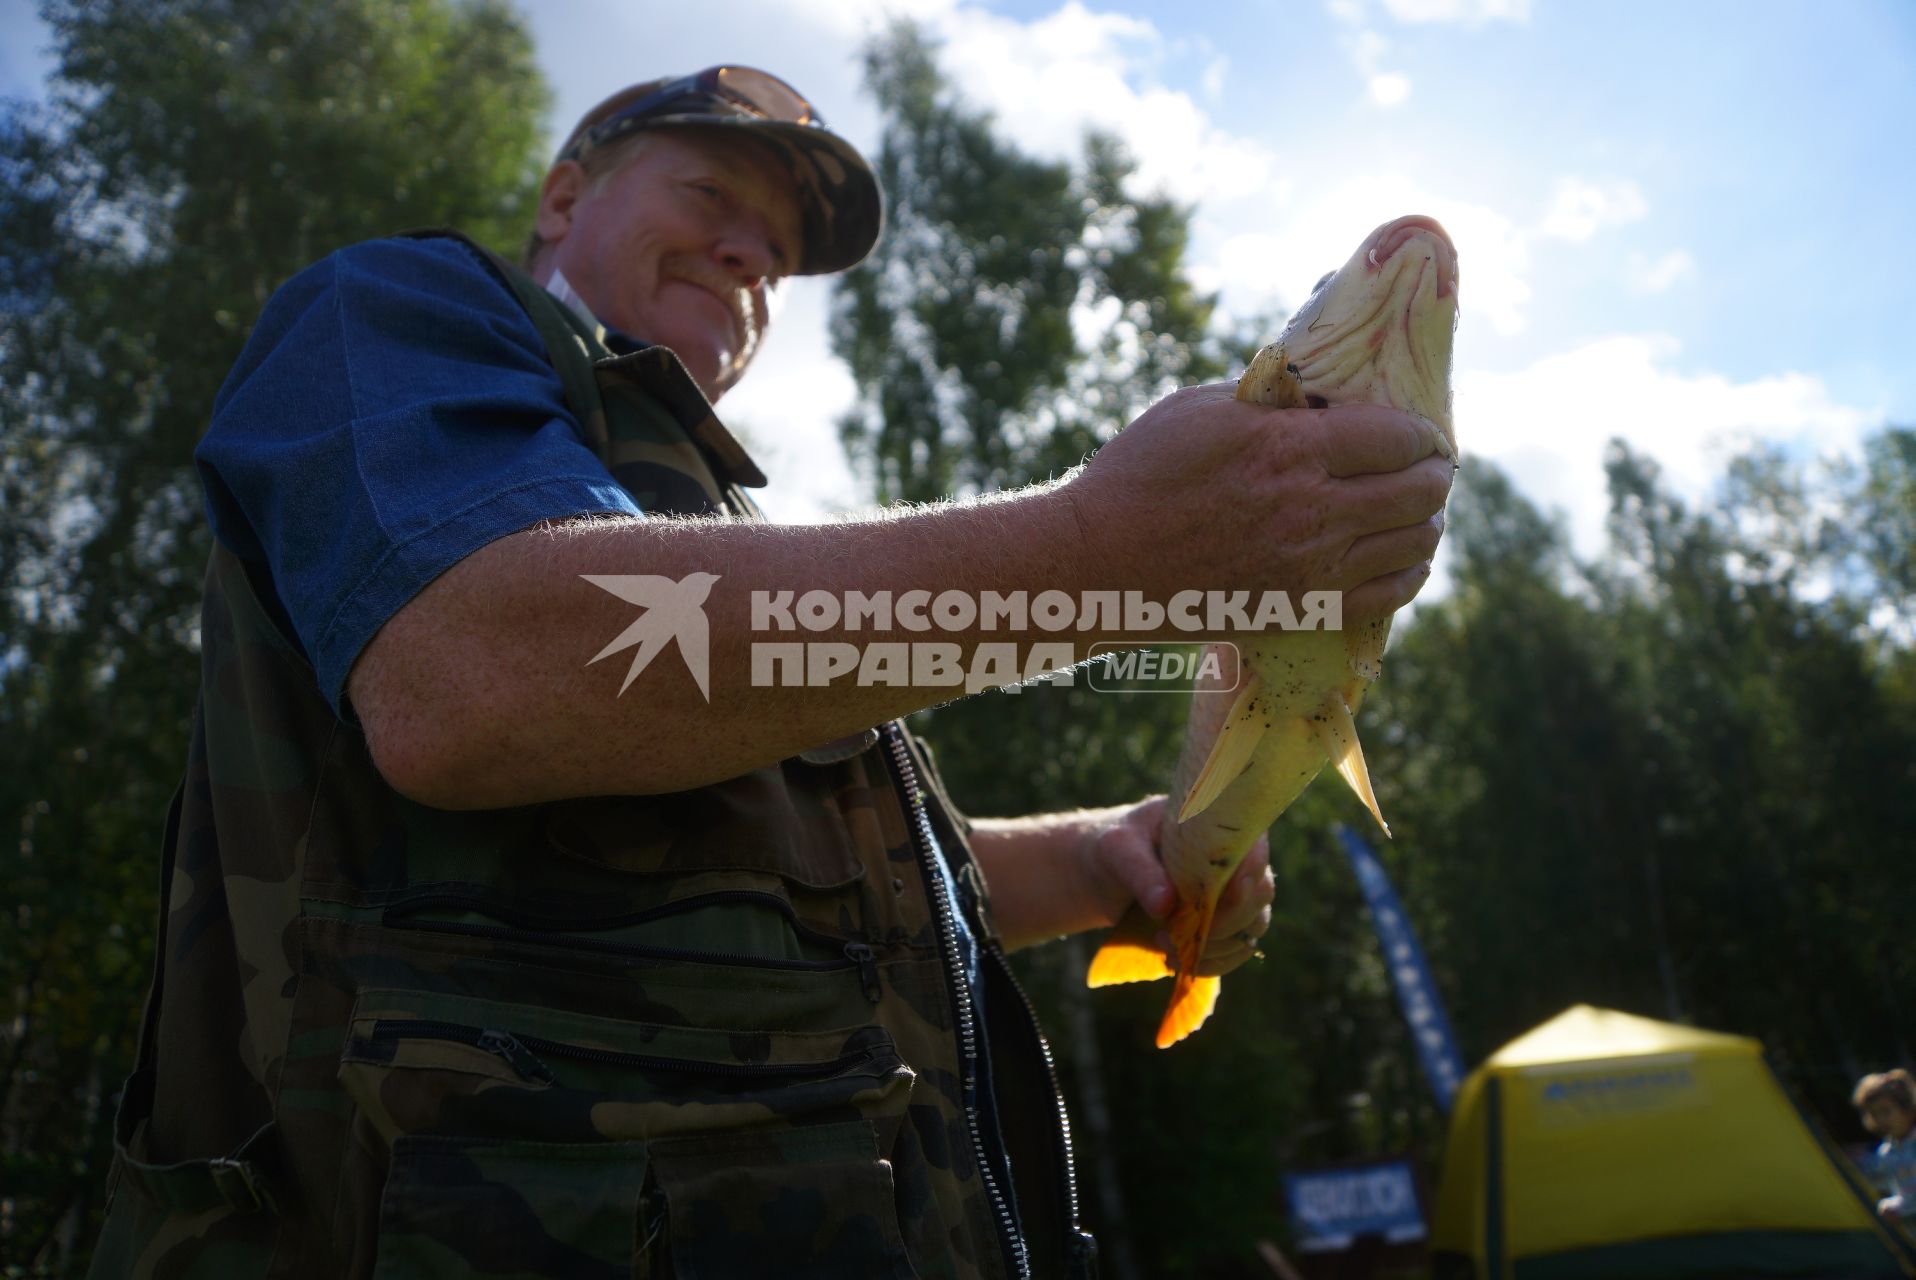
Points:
[[1332, 1207]]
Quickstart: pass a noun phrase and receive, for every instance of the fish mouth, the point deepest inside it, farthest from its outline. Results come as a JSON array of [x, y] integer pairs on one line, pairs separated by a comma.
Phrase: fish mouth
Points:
[[1379, 329], [1411, 231]]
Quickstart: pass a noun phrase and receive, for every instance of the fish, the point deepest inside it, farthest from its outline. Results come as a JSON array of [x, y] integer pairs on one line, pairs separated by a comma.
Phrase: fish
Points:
[[1378, 330]]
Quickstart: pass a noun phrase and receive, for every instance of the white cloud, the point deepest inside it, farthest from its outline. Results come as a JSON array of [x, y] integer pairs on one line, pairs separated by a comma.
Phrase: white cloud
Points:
[[1647, 276], [1296, 240], [1471, 11], [1048, 81], [1367, 49], [1548, 424], [1389, 89], [1213, 79], [1578, 209], [1322, 226]]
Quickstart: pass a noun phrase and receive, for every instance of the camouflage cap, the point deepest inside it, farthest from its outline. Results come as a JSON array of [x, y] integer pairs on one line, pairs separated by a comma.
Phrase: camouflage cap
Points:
[[839, 198]]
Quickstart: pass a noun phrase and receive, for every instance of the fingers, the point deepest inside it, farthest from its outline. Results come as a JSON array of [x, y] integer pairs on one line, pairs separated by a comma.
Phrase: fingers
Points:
[[1385, 595], [1243, 914], [1401, 498], [1248, 896], [1370, 439], [1227, 951], [1391, 563], [1218, 961], [1128, 851], [1377, 554]]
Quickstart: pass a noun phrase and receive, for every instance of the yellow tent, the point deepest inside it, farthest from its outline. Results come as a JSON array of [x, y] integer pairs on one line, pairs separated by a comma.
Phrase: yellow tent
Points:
[[1602, 1145]]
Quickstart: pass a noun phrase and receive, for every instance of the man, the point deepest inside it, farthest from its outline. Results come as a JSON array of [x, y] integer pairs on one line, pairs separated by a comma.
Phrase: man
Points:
[[482, 956]]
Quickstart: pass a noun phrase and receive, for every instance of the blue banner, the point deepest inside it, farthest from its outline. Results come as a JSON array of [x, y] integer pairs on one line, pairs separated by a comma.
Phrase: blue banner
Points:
[[1332, 1207], [1416, 993]]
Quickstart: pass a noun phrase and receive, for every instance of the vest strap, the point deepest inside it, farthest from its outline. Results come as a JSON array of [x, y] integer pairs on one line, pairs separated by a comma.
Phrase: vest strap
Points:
[[190, 1186], [238, 1181]]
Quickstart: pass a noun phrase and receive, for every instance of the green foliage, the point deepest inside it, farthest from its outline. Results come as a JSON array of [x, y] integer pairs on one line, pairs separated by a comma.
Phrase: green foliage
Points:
[[962, 327], [191, 156]]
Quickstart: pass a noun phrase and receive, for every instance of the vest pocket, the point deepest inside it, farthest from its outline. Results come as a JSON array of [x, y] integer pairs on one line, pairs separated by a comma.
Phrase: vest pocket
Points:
[[461, 1206], [554, 1143], [812, 1203]]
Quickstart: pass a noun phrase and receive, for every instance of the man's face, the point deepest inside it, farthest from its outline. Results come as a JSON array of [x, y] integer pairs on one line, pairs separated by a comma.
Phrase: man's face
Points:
[[679, 246]]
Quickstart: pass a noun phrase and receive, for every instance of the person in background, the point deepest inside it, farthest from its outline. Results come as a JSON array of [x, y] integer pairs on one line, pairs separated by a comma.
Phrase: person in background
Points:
[[1887, 1100]]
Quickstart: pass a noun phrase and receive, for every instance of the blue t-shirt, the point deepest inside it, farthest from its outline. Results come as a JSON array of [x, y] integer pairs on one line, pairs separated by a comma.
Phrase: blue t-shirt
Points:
[[393, 412]]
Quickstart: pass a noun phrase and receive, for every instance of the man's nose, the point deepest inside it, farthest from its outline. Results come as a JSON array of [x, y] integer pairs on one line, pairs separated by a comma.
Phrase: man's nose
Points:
[[746, 250]]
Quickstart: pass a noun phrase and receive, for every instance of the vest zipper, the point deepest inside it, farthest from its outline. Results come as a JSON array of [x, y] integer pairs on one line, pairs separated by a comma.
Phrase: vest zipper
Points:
[[518, 1051], [1080, 1243], [563, 933], [959, 981]]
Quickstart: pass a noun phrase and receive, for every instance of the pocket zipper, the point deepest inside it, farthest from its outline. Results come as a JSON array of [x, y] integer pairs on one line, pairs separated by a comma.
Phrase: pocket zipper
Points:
[[521, 926], [521, 1052]]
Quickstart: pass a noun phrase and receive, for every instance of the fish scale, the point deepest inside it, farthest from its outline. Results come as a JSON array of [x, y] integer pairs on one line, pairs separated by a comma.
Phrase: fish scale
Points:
[[1376, 331]]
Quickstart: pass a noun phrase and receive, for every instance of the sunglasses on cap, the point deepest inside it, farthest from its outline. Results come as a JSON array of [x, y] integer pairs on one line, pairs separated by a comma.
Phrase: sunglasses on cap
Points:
[[730, 90]]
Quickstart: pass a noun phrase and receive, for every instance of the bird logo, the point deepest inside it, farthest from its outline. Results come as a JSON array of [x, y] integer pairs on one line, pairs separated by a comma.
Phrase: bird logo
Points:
[[673, 611]]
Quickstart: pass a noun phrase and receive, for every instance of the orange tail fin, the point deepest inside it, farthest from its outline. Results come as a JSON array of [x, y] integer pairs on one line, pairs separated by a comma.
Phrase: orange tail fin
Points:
[[1193, 998], [1191, 1003]]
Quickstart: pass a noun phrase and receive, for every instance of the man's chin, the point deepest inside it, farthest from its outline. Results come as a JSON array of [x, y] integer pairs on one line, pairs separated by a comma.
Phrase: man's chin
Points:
[[711, 368]]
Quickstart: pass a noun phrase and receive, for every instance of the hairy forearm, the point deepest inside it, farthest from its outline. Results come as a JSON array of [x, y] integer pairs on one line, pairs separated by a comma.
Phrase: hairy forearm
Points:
[[481, 692], [1044, 879]]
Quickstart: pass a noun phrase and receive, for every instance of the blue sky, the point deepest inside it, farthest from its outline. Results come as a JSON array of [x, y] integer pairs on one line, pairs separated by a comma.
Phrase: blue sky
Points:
[[1689, 224]]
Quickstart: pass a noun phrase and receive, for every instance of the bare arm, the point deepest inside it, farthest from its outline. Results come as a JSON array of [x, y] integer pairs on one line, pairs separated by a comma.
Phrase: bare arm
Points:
[[477, 693]]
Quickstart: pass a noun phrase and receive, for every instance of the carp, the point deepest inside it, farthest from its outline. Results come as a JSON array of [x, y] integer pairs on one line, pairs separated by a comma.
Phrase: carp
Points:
[[1378, 330]]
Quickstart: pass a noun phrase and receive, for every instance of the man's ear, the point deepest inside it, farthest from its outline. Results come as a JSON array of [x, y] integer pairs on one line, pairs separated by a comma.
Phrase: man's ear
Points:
[[561, 192]]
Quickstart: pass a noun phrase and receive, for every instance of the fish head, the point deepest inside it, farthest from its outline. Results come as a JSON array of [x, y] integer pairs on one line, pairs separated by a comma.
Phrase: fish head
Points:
[[1379, 329]]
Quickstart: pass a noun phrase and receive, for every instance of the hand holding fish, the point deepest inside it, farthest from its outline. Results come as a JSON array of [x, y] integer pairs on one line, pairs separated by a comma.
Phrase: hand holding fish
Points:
[[1124, 858], [1057, 874], [1207, 492]]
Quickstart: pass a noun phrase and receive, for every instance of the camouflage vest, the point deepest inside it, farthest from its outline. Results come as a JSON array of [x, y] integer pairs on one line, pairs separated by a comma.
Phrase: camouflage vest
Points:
[[720, 1034]]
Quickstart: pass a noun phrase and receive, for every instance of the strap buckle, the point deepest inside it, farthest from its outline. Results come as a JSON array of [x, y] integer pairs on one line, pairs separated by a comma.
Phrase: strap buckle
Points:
[[239, 1184]]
